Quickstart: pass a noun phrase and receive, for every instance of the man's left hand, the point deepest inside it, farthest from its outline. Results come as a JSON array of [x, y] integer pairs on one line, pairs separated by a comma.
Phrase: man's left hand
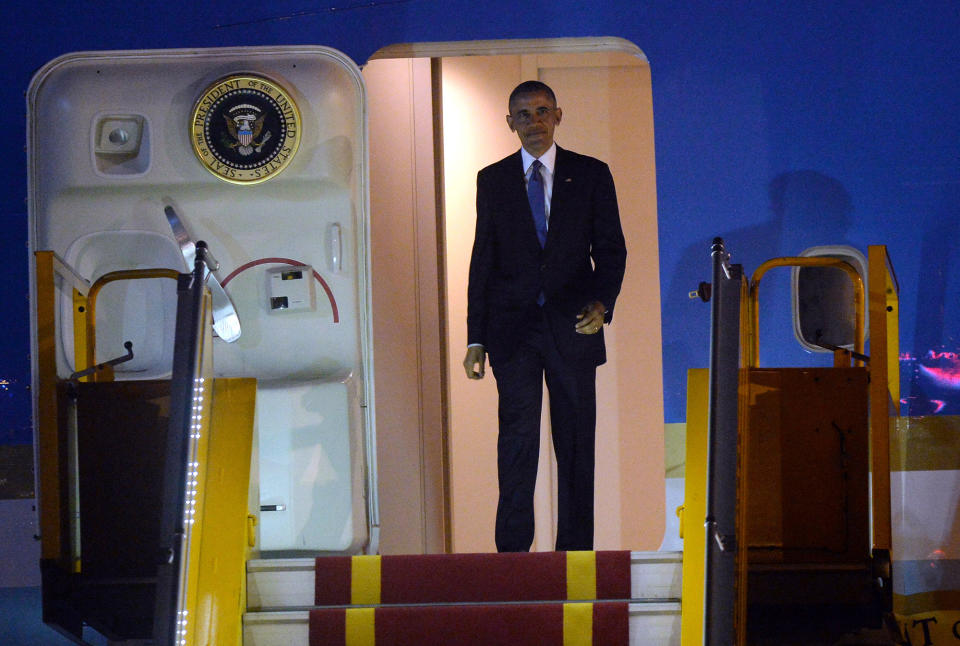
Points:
[[590, 318]]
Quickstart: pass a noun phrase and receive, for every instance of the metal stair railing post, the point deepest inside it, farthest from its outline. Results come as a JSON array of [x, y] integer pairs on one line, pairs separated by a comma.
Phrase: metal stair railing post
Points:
[[170, 622], [720, 579]]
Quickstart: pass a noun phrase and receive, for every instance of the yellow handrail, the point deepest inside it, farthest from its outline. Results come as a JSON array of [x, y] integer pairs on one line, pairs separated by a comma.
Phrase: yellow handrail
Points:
[[100, 283], [753, 360], [884, 385], [49, 495], [48, 267]]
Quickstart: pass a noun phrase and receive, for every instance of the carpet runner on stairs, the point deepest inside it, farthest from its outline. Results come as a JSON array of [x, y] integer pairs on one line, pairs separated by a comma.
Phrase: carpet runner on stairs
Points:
[[526, 624], [541, 598], [466, 578], [538, 599]]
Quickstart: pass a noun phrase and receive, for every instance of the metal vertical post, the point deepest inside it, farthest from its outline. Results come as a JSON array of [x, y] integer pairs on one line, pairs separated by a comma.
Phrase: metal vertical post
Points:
[[721, 540], [187, 344]]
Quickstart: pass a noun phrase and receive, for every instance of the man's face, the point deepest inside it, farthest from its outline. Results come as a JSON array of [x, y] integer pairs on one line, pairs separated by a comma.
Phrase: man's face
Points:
[[534, 117]]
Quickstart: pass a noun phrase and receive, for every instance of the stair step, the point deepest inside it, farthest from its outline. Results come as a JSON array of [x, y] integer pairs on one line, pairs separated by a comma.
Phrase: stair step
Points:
[[650, 624], [286, 584]]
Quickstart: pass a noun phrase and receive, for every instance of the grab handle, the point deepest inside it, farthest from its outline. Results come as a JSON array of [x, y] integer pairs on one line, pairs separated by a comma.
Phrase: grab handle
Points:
[[335, 248], [106, 364]]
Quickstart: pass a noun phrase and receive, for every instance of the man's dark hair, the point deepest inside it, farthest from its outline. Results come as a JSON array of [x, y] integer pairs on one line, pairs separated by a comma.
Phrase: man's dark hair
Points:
[[531, 87]]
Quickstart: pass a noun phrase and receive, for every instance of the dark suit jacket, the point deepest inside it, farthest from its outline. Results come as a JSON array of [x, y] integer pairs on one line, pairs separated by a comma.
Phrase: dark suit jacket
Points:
[[508, 268]]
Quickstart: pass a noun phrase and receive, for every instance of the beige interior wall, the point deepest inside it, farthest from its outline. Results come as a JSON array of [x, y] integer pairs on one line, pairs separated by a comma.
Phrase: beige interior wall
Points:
[[475, 134], [608, 113], [406, 310]]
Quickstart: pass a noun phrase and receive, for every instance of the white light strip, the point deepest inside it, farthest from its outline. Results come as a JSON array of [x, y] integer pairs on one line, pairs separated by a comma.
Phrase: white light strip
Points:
[[190, 500], [182, 628]]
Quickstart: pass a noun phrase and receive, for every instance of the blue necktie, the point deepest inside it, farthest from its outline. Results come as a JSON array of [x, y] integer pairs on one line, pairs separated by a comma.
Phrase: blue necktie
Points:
[[535, 195]]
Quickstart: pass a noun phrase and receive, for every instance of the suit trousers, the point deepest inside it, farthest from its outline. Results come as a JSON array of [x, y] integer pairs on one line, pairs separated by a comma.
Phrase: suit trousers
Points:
[[573, 414]]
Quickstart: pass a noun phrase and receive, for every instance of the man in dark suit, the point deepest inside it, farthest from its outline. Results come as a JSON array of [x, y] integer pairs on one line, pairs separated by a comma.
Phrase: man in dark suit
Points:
[[547, 264]]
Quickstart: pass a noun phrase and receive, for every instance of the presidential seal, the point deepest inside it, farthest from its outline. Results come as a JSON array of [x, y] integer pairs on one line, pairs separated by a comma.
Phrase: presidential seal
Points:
[[245, 129]]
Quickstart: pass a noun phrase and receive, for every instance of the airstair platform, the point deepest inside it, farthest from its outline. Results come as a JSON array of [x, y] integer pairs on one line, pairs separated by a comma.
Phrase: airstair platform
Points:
[[538, 599]]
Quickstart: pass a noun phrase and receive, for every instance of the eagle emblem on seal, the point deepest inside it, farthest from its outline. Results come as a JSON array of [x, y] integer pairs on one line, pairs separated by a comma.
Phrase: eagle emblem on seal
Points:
[[244, 124]]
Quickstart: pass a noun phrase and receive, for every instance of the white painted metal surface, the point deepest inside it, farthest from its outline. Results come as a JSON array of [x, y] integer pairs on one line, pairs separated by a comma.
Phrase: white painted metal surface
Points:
[[656, 575], [98, 200], [309, 466]]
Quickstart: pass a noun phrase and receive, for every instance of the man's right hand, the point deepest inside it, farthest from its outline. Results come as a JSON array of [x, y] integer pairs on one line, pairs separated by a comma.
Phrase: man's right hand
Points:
[[474, 362]]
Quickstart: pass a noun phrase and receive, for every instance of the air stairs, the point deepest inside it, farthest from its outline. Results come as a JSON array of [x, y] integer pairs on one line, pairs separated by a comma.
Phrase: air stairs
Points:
[[573, 598]]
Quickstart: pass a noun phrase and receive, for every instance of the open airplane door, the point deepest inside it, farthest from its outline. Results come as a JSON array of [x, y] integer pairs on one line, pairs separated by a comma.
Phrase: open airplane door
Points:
[[245, 391]]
